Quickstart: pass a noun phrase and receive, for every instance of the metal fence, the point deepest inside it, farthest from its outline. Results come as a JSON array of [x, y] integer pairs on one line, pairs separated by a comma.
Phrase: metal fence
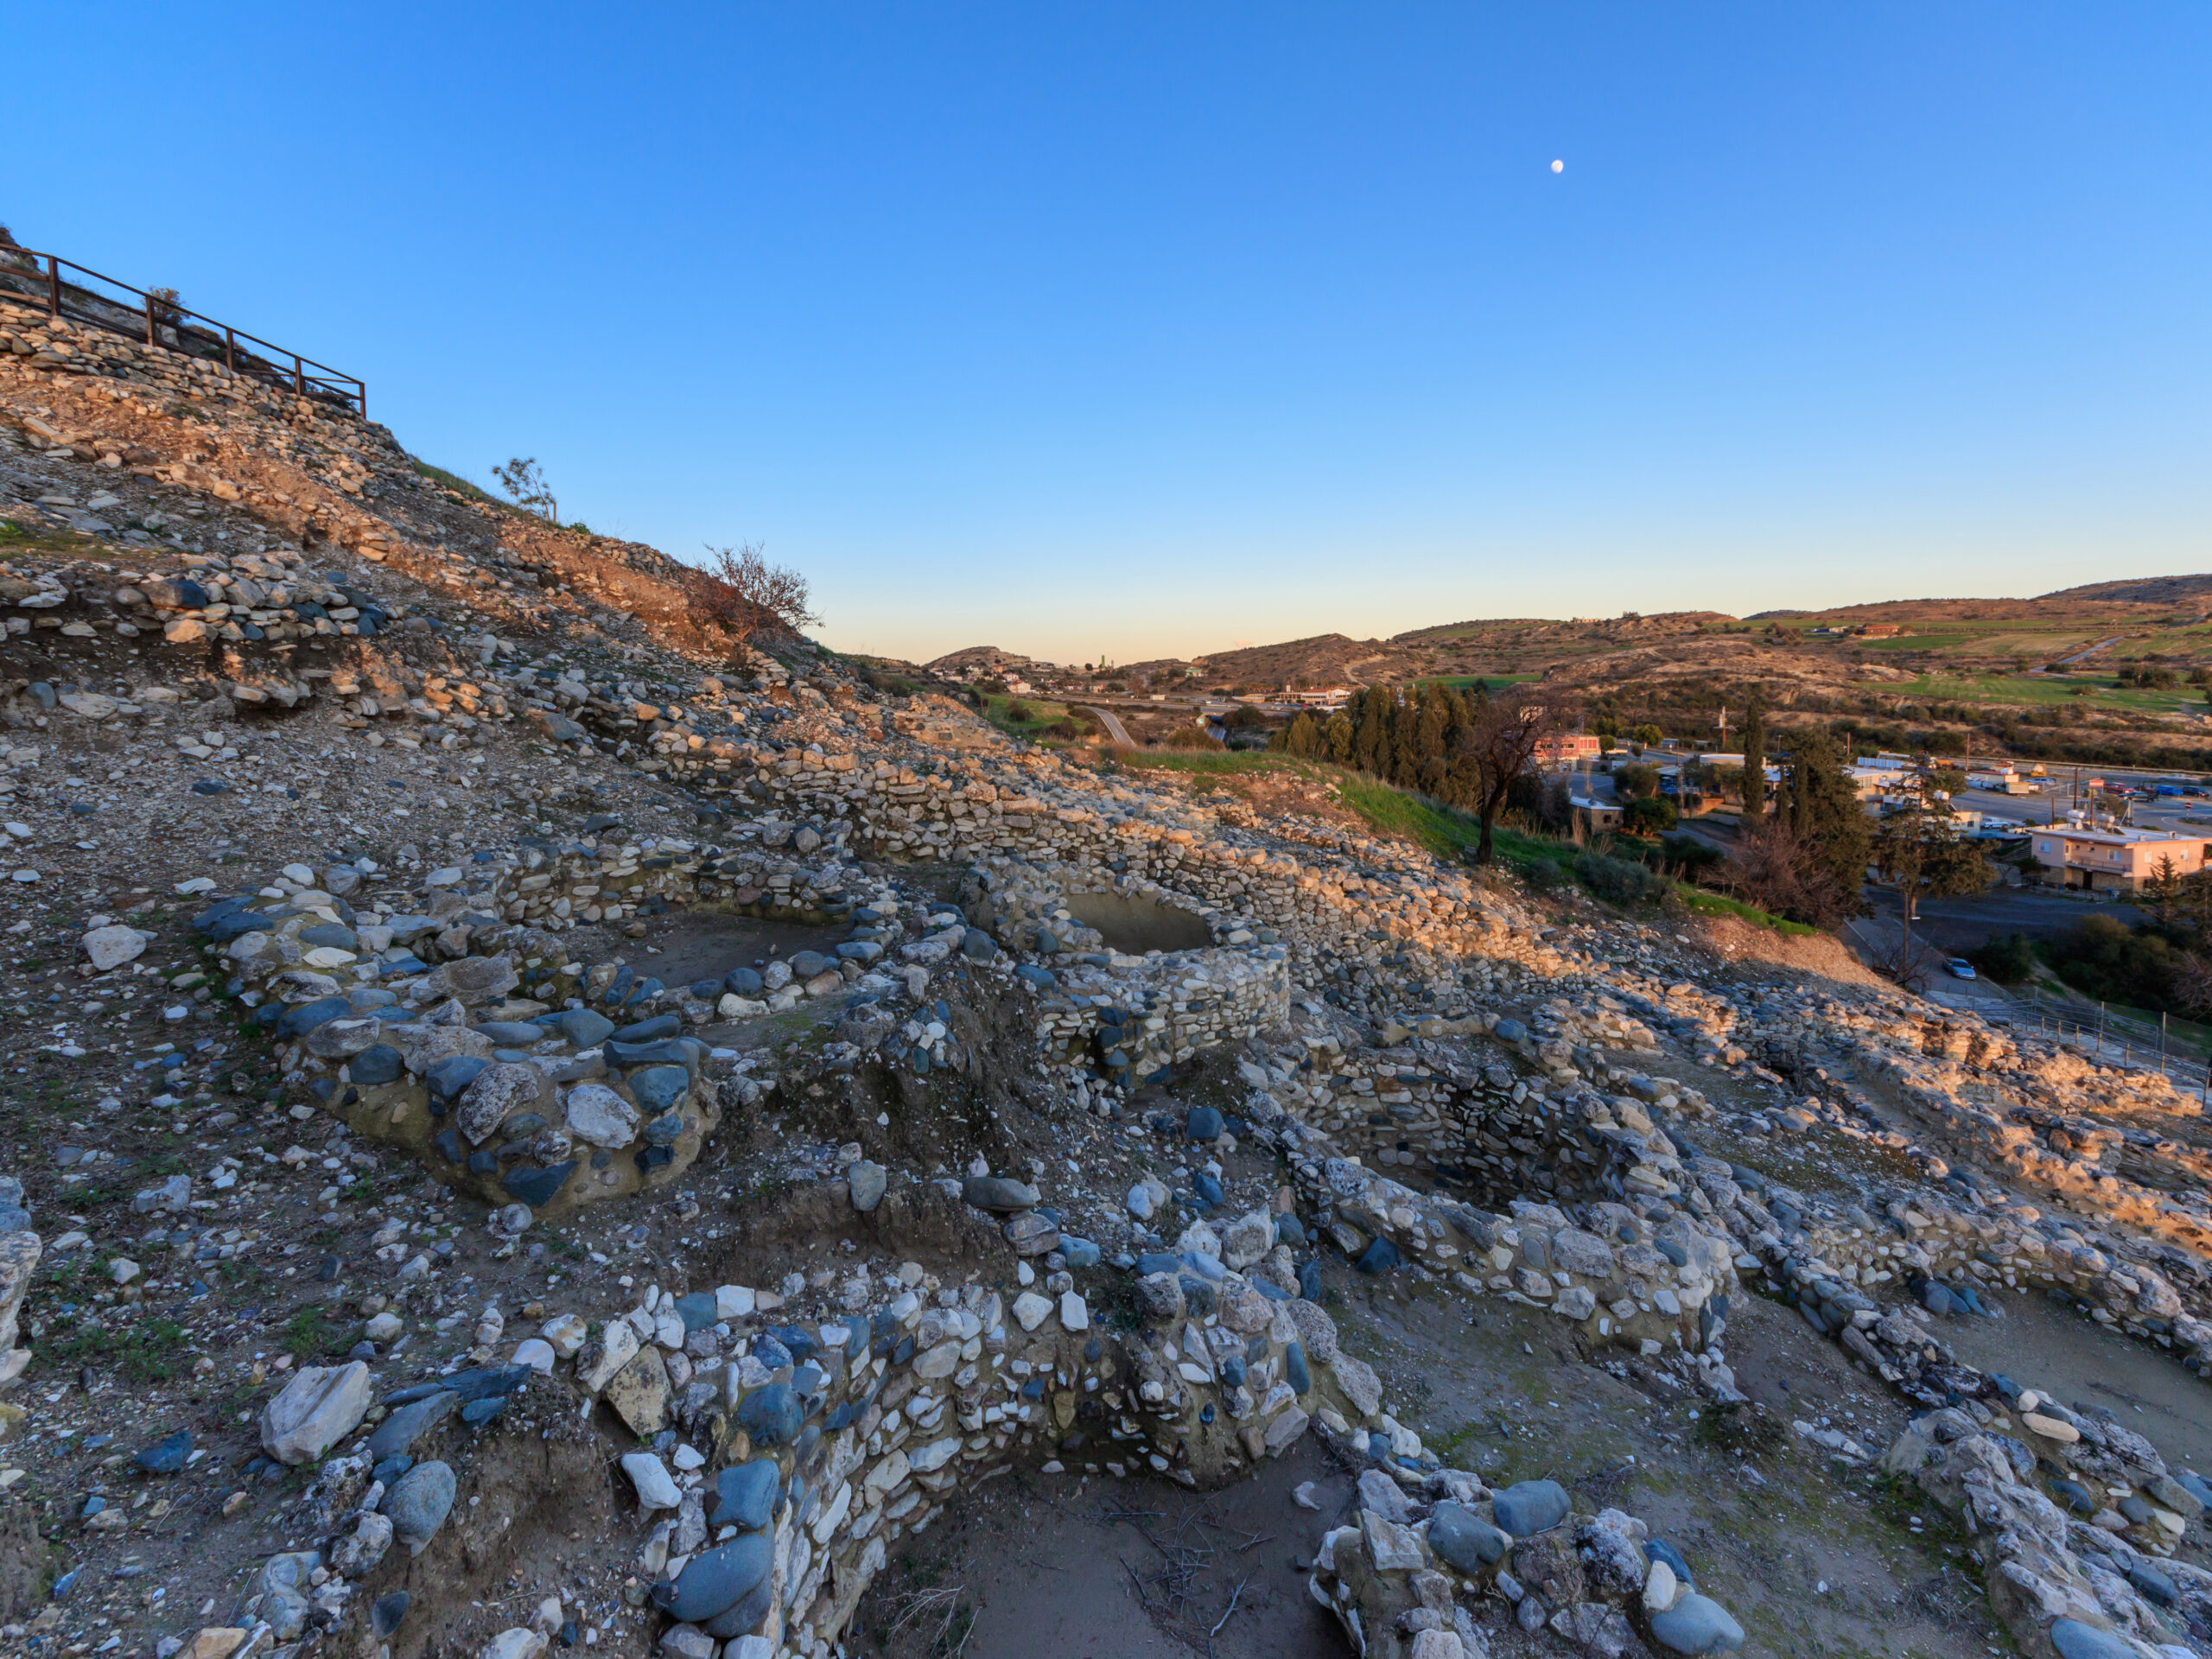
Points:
[[83, 295], [2116, 1039]]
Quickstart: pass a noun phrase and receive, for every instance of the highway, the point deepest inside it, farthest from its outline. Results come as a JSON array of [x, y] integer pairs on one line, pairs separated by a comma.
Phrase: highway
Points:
[[1115, 729]]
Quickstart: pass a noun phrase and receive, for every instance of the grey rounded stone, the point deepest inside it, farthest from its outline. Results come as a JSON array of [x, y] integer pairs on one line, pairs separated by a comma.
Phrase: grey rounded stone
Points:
[[1464, 1539], [1534, 1506], [2075, 1640], [868, 1182], [745, 1496], [715, 1580], [584, 1027], [1698, 1625], [998, 1192], [419, 1503]]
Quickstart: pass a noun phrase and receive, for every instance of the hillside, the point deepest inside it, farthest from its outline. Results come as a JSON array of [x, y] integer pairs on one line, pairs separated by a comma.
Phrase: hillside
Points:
[[2112, 672], [2144, 590], [534, 1123]]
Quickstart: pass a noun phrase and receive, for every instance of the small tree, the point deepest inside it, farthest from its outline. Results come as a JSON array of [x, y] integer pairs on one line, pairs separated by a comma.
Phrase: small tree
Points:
[[521, 478], [1637, 781], [1648, 736], [743, 597], [2164, 891], [1649, 816], [1923, 855], [1499, 746]]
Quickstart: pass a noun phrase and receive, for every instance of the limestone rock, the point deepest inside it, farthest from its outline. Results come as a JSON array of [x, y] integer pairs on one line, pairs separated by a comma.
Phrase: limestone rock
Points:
[[320, 1407]]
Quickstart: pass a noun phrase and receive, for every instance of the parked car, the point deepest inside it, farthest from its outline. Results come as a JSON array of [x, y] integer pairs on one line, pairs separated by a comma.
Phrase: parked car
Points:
[[1959, 968]]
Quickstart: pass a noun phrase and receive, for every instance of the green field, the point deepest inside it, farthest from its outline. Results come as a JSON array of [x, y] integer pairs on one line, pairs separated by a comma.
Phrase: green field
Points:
[[1041, 715], [2038, 690], [1461, 682]]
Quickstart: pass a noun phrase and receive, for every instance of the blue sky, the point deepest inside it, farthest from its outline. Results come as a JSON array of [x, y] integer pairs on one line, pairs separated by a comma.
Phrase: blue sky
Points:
[[1151, 330]]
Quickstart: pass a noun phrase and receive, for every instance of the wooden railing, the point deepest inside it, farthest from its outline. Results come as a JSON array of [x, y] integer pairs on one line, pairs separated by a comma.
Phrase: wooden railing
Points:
[[162, 321]]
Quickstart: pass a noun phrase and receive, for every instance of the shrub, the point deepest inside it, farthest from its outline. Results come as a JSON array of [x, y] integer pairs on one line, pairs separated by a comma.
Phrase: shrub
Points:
[[1192, 737], [1636, 780], [2102, 956], [1650, 815], [1619, 881], [1690, 856], [2009, 960], [1019, 712]]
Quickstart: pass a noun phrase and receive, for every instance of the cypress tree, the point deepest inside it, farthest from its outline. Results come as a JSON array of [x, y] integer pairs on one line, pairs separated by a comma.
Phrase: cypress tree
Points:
[[1754, 765]]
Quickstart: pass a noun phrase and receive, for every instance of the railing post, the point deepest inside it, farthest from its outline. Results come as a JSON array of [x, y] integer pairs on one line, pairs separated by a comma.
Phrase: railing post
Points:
[[54, 284], [230, 349], [299, 378], [149, 321]]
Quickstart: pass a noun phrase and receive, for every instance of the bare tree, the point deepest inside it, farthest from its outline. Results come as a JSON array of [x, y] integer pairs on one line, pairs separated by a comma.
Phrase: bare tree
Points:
[[1774, 866], [2193, 983], [1908, 962], [1501, 744], [521, 478], [743, 597]]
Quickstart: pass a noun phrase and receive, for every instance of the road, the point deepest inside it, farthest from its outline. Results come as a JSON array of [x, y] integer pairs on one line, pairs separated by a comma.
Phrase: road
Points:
[[1115, 729], [2092, 650]]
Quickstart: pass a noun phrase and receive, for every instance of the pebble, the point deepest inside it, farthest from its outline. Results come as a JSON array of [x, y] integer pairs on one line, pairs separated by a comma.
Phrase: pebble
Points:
[[167, 1455], [656, 1487]]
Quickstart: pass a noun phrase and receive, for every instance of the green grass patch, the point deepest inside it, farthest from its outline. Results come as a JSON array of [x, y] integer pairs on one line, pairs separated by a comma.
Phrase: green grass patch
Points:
[[1446, 833], [310, 1334], [1707, 903], [1041, 716], [1216, 763], [147, 1350], [456, 483], [39, 540]]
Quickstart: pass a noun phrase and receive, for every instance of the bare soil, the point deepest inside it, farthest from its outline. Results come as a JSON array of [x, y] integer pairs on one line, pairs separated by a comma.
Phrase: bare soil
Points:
[[1133, 926], [2088, 1366], [1116, 1569], [1815, 1559], [681, 946]]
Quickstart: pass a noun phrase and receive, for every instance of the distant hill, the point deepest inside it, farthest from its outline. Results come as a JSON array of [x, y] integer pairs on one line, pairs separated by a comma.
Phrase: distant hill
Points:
[[983, 659], [1681, 656], [2119, 600], [2143, 590]]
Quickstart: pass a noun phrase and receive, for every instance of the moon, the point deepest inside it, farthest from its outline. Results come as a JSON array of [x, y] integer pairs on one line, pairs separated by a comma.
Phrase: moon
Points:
[[1559, 166]]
